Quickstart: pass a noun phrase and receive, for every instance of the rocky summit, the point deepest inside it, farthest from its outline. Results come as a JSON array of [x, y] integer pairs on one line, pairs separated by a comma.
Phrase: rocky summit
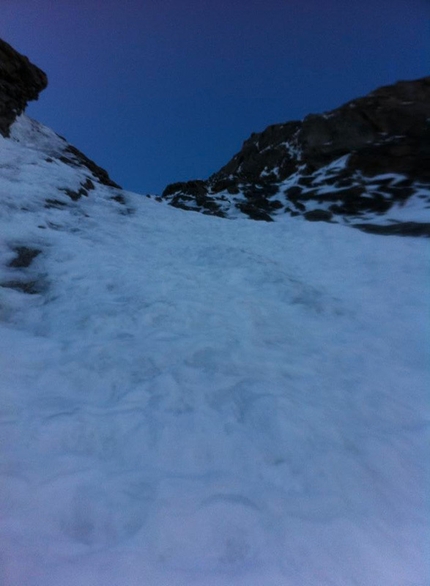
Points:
[[366, 163]]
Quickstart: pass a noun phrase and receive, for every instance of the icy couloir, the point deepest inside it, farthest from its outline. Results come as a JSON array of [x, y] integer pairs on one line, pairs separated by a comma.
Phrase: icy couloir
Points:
[[187, 400]]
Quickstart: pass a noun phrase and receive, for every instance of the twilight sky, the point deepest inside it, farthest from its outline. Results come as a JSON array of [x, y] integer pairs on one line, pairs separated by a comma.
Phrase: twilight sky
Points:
[[158, 91]]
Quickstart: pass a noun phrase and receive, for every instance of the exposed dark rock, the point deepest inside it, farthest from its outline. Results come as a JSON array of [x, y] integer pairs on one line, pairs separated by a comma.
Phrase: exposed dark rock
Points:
[[227, 184], [306, 180], [263, 152], [299, 206], [54, 203], [253, 211], [75, 195], [29, 287], [355, 200], [293, 192], [258, 205], [88, 185], [258, 191], [398, 229], [24, 257], [75, 157], [305, 195], [399, 110], [194, 188], [193, 196], [180, 204], [387, 158], [20, 83], [119, 199], [400, 193], [318, 216]]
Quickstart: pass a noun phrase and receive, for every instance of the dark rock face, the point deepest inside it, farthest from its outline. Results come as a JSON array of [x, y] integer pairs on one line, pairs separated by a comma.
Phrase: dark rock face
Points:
[[20, 82], [399, 110], [358, 160], [264, 150]]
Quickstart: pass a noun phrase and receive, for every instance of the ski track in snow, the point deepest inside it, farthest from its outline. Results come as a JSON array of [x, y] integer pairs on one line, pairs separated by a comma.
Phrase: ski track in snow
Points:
[[198, 401]]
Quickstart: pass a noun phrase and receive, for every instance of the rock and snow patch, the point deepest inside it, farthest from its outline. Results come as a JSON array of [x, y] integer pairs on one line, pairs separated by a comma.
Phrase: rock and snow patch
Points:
[[355, 166]]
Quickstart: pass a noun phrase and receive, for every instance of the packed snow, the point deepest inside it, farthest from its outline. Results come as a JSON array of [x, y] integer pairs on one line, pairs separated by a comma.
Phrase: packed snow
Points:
[[187, 400]]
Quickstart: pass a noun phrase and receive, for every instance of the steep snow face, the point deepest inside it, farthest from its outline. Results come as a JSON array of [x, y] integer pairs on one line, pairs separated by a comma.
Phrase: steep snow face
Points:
[[188, 400]]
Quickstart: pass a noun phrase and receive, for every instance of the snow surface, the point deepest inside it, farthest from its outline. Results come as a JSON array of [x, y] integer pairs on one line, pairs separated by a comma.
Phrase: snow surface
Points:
[[196, 401]]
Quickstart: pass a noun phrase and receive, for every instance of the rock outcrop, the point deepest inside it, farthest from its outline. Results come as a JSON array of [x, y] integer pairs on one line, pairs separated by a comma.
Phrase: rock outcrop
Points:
[[349, 165], [20, 83]]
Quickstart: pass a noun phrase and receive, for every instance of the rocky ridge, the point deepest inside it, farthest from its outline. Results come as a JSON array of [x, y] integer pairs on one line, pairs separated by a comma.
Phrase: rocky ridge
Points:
[[356, 164], [22, 82]]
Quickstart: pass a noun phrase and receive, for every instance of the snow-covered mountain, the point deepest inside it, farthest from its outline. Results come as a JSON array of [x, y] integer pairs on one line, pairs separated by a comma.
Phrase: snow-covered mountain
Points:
[[186, 400], [365, 164]]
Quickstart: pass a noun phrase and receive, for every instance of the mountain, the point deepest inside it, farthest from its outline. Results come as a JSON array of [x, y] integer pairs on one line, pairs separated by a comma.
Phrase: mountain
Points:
[[20, 82], [365, 164], [186, 400]]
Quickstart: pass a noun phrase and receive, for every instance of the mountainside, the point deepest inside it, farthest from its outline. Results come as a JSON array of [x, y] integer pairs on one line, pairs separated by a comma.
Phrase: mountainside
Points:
[[186, 400], [366, 164]]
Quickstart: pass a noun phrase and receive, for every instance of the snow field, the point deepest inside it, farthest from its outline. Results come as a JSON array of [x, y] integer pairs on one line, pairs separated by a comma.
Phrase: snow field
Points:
[[192, 400]]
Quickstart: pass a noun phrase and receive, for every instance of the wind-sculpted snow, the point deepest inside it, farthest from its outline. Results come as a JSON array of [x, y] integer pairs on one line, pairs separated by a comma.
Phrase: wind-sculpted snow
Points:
[[190, 401]]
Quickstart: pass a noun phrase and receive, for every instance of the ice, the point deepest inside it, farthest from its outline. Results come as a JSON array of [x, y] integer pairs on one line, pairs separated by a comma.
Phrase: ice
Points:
[[196, 401]]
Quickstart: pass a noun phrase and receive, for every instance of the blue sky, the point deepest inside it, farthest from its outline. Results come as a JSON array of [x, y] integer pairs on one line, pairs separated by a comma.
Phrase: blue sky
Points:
[[163, 91]]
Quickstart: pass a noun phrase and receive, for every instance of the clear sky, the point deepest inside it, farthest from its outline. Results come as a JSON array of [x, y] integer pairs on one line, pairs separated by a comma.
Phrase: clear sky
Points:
[[158, 91]]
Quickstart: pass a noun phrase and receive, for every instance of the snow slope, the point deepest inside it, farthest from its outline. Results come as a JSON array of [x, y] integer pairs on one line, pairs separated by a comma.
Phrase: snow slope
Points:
[[186, 400]]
